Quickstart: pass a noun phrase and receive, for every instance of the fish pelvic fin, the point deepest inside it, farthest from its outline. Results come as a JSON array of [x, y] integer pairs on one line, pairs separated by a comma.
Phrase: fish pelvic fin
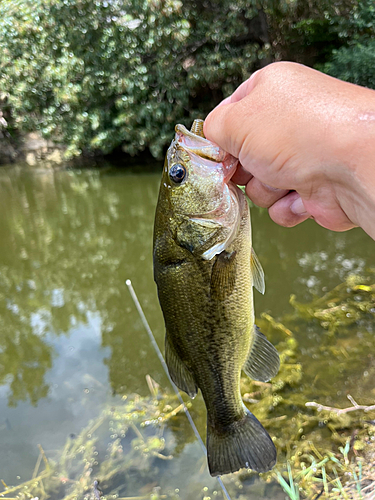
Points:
[[178, 371], [263, 361], [244, 443]]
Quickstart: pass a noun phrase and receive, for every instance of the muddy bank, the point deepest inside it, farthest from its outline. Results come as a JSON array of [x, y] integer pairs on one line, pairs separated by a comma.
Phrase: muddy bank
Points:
[[30, 148]]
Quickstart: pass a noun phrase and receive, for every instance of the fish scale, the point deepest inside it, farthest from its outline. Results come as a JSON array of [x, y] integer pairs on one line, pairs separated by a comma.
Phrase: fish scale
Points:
[[205, 269]]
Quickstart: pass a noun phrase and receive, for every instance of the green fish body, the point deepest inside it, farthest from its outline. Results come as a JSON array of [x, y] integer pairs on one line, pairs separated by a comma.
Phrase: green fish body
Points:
[[205, 269]]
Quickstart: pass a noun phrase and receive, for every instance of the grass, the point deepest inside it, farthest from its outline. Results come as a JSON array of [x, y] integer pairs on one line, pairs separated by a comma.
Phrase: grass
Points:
[[347, 480]]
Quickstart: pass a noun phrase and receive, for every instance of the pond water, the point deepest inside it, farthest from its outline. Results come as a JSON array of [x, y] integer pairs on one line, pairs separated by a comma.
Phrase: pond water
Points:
[[71, 340]]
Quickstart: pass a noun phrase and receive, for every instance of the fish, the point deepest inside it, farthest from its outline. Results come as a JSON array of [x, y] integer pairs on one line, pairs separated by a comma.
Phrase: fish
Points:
[[205, 270]]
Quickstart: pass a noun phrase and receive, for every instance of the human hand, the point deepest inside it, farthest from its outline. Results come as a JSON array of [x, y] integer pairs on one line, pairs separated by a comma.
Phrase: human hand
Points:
[[306, 145]]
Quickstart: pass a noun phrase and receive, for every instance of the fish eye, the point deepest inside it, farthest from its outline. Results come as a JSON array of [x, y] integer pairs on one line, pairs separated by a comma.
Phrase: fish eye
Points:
[[177, 173]]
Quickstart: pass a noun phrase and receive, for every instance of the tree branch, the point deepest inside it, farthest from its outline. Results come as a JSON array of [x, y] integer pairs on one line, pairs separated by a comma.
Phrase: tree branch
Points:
[[340, 411]]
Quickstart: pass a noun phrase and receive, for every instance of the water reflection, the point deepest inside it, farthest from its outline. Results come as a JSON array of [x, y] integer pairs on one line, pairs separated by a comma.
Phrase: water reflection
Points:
[[69, 334], [69, 240], [67, 243]]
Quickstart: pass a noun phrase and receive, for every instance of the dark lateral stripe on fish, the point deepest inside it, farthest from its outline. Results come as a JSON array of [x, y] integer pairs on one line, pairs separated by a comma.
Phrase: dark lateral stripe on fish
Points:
[[174, 263]]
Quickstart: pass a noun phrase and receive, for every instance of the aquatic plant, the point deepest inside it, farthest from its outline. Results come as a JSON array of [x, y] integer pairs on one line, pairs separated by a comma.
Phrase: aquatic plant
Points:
[[331, 454], [98, 452], [326, 448]]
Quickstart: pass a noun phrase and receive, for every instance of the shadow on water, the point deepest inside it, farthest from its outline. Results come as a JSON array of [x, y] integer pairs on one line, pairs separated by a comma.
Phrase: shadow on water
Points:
[[71, 342]]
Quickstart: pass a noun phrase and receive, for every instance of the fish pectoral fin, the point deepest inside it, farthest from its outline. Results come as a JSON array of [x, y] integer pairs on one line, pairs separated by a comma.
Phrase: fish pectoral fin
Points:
[[178, 371], [206, 223], [223, 276], [263, 362], [257, 272]]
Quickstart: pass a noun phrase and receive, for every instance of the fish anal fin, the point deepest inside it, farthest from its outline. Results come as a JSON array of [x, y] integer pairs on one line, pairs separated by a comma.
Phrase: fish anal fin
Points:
[[223, 276], [178, 371], [263, 361], [257, 272], [244, 443]]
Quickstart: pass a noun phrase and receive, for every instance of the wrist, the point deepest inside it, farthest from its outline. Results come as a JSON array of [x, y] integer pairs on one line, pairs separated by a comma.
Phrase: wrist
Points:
[[356, 180]]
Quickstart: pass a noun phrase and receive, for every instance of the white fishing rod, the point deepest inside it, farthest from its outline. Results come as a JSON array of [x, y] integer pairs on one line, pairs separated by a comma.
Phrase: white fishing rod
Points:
[[164, 365]]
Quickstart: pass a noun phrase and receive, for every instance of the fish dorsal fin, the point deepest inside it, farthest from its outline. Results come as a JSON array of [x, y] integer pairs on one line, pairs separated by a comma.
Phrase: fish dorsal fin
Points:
[[263, 361], [197, 128], [178, 371], [257, 272]]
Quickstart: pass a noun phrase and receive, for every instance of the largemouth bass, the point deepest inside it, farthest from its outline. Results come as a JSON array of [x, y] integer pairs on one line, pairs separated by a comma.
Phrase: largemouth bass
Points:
[[205, 268]]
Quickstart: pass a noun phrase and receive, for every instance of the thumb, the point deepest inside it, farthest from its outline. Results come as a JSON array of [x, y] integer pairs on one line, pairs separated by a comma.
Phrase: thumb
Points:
[[224, 127], [222, 124]]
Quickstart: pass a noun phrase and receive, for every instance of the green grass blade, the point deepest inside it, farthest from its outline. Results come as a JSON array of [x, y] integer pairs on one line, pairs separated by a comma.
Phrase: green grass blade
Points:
[[325, 484]]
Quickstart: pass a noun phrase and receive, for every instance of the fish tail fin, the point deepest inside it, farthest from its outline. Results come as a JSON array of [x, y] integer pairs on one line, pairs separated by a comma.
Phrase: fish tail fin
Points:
[[244, 443]]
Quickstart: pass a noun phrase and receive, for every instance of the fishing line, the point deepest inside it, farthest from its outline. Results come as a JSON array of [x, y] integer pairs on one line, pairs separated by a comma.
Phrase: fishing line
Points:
[[164, 365]]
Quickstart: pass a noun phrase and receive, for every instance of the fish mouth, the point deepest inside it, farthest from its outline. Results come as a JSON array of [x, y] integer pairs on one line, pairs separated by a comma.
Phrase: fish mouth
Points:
[[194, 144], [230, 164]]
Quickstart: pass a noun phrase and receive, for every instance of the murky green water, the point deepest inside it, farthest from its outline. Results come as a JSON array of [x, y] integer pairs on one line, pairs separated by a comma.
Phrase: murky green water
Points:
[[71, 341]]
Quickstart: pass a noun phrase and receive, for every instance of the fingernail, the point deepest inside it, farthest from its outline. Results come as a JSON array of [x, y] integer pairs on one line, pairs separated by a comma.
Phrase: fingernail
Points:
[[297, 207]]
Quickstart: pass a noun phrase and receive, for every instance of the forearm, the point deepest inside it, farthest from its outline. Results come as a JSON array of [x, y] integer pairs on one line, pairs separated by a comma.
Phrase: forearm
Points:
[[357, 194], [354, 149]]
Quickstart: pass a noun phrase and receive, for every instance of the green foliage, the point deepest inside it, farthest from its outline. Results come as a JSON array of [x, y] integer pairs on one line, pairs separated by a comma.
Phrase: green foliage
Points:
[[330, 487], [99, 75], [356, 62], [102, 74], [306, 31]]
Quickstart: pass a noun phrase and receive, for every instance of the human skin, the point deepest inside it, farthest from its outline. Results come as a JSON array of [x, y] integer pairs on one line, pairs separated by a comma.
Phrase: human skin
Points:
[[306, 145]]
